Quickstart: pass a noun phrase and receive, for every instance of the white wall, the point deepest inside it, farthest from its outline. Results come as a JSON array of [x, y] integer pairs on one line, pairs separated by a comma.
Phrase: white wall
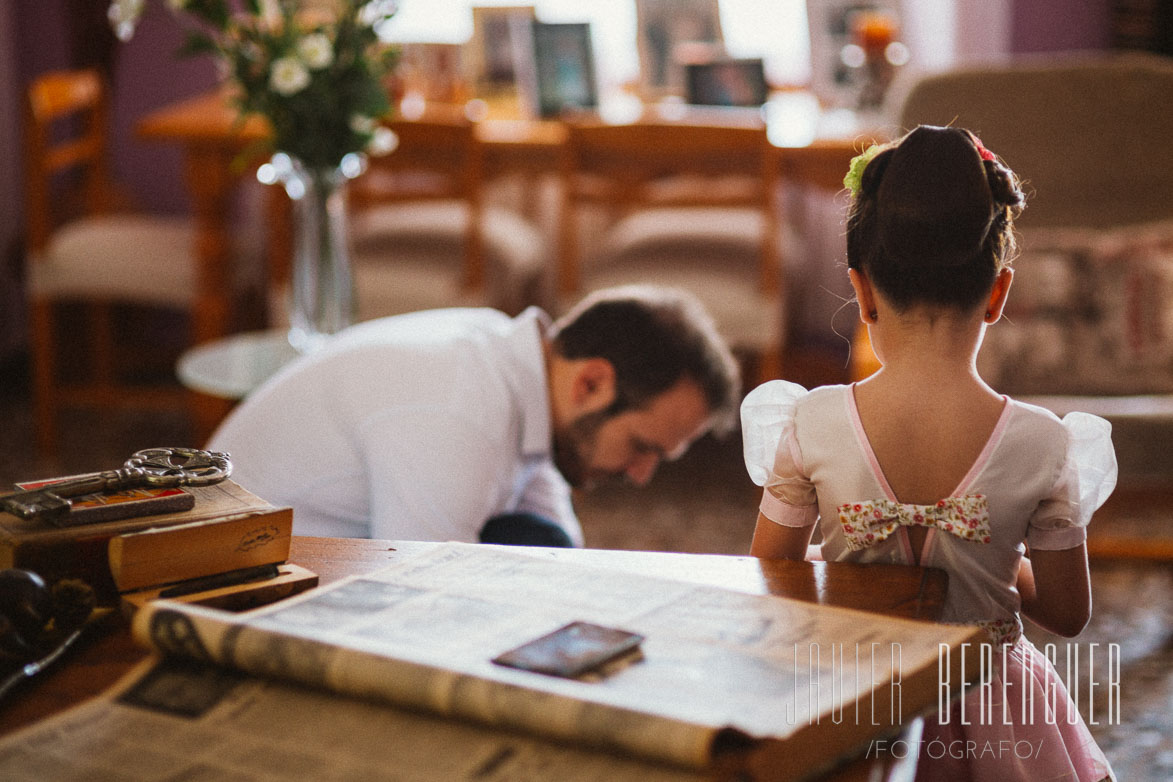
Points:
[[943, 33], [772, 29]]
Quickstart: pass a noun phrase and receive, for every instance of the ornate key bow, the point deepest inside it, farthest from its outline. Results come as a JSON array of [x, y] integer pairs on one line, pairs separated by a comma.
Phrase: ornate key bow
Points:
[[867, 523]]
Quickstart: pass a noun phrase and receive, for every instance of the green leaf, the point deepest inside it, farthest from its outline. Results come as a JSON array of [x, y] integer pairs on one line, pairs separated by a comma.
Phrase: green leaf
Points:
[[196, 43]]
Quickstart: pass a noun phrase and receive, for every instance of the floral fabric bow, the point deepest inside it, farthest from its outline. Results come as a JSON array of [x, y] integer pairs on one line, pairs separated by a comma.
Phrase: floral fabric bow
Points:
[[867, 523]]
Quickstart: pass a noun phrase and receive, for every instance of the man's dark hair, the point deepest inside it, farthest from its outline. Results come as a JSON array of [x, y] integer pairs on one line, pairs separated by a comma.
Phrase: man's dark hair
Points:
[[654, 337]]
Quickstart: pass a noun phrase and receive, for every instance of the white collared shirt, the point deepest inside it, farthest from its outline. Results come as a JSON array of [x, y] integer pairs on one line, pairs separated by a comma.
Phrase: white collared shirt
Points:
[[413, 427]]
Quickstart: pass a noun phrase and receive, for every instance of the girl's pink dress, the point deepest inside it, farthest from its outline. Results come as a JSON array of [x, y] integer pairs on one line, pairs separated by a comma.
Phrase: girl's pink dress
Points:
[[1037, 481]]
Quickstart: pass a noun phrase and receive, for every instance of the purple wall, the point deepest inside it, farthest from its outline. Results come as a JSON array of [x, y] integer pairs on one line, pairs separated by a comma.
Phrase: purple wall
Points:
[[144, 74], [148, 73], [1060, 25]]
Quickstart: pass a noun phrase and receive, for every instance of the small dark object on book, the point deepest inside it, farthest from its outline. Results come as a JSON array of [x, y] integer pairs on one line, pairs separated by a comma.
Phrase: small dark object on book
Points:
[[230, 578], [573, 650]]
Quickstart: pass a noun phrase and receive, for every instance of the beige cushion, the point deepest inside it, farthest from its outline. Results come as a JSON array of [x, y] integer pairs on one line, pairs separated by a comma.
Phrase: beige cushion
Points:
[[424, 241], [744, 317], [715, 253], [132, 258], [712, 252], [737, 228]]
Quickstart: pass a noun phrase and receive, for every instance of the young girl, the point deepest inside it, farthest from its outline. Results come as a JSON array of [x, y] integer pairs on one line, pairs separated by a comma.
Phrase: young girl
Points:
[[923, 463]]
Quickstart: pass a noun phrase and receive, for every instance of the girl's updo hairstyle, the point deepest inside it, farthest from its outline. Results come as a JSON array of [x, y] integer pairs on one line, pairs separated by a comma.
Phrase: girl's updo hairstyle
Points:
[[932, 221]]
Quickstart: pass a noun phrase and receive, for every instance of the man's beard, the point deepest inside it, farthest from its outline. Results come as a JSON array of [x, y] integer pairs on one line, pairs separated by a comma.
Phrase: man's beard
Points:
[[574, 447]]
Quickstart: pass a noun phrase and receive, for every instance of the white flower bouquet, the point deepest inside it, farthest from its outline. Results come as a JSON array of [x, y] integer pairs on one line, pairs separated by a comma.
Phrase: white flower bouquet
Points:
[[315, 69]]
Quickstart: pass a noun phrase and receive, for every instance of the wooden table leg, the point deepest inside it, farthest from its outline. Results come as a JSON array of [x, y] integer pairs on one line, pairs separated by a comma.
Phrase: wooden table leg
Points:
[[210, 180]]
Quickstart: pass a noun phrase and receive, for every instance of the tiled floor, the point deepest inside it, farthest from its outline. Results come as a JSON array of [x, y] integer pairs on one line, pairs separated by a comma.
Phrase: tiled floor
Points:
[[705, 503]]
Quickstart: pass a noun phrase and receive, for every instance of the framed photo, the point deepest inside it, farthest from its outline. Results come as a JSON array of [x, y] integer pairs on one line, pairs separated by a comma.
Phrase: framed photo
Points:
[[494, 46], [564, 68], [671, 33], [436, 71], [726, 82]]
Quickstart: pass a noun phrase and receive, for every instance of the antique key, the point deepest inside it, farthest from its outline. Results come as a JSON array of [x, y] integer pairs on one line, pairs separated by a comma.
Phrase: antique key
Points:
[[155, 467]]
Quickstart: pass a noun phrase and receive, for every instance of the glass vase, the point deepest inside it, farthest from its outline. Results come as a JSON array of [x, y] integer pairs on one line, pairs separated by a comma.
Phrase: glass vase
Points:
[[321, 297]]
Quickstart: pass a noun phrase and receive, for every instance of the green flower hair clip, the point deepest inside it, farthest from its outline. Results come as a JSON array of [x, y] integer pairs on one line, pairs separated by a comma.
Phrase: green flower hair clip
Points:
[[854, 178]]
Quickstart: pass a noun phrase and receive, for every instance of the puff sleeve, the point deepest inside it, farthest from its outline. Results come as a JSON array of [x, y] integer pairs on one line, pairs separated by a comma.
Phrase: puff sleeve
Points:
[[772, 455], [1085, 480]]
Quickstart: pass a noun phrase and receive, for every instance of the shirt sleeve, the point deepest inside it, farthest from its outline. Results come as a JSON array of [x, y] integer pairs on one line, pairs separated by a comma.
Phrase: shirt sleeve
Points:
[[772, 455], [547, 494], [1086, 479]]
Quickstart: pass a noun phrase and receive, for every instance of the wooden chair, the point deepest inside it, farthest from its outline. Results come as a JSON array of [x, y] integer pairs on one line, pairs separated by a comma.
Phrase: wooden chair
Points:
[[691, 205], [85, 245], [422, 236]]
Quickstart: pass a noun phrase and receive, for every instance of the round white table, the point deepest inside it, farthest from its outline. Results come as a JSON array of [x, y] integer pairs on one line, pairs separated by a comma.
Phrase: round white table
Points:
[[232, 367]]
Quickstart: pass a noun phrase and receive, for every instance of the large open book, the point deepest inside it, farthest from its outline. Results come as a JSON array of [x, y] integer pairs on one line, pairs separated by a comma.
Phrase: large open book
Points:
[[729, 684]]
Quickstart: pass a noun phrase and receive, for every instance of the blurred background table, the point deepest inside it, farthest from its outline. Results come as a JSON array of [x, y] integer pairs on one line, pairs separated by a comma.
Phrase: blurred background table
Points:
[[813, 148]]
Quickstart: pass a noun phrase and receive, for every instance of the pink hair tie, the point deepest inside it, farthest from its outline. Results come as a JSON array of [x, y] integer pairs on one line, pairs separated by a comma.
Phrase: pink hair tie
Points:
[[985, 153]]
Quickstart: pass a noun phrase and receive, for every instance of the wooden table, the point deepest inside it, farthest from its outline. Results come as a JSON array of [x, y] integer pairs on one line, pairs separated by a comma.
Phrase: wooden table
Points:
[[107, 652]]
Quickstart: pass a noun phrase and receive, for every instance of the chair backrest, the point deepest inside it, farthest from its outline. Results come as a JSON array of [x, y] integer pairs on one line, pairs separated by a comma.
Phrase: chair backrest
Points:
[[66, 162], [652, 164], [1089, 135], [435, 159]]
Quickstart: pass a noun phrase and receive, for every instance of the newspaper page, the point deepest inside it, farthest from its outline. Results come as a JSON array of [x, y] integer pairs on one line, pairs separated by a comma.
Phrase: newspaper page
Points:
[[181, 720], [717, 666]]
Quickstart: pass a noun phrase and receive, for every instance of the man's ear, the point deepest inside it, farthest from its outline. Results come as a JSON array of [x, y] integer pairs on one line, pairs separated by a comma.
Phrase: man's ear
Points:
[[593, 387]]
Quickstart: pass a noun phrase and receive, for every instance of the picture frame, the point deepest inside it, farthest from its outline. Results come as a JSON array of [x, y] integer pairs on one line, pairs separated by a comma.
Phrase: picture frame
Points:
[[564, 68], [726, 82], [670, 33], [494, 46], [435, 71]]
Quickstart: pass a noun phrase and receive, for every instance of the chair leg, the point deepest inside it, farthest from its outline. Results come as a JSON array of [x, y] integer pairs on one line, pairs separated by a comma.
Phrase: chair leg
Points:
[[43, 355]]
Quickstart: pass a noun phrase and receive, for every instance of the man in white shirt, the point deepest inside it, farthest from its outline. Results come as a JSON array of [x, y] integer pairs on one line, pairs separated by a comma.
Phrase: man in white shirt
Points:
[[469, 425]]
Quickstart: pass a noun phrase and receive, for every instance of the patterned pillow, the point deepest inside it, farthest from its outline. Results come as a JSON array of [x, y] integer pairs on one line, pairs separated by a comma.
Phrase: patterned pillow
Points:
[[1090, 312]]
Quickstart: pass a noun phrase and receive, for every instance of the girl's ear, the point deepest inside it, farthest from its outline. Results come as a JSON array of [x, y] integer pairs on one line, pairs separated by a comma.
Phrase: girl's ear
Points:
[[864, 295], [998, 295]]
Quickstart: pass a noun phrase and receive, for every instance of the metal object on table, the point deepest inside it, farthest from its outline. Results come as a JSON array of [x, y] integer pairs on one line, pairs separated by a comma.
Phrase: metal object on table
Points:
[[151, 467]]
